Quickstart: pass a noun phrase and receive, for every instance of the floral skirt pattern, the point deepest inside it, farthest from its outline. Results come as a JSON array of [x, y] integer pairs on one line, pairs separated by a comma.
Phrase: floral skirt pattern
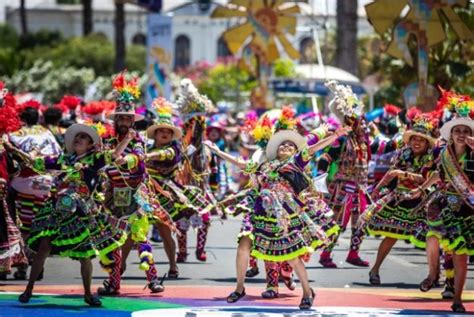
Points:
[[75, 228]]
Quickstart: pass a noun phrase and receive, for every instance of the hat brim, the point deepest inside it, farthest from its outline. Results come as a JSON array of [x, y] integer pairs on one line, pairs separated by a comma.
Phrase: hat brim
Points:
[[150, 132], [73, 130], [137, 116], [445, 130], [280, 137], [408, 134]]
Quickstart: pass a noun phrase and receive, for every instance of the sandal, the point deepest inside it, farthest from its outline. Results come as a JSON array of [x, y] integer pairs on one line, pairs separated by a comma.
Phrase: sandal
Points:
[[235, 296], [307, 302], [253, 271], [92, 301], [426, 285], [25, 297], [174, 274], [289, 283], [458, 308], [269, 293], [374, 278]]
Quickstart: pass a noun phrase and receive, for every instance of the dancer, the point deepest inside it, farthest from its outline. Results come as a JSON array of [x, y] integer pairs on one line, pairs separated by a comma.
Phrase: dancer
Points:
[[278, 227], [347, 163], [450, 208], [71, 223], [392, 215], [124, 179], [163, 161], [12, 248], [194, 174]]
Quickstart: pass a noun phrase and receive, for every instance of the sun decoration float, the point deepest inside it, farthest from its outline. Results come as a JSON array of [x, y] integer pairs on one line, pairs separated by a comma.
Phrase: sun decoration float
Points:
[[268, 22]]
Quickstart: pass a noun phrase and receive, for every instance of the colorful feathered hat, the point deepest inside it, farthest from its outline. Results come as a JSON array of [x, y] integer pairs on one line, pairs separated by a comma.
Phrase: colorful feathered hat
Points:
[[423, 125], [190, 103], [284, 130], [345, 105], [164, 118], [126, 93], [462, 109]]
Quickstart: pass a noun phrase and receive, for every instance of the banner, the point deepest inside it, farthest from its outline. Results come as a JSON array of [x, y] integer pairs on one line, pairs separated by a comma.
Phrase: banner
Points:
[[159, 57]]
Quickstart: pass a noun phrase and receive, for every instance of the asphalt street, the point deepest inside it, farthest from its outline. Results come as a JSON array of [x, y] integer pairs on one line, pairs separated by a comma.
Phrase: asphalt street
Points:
[[404, 268]]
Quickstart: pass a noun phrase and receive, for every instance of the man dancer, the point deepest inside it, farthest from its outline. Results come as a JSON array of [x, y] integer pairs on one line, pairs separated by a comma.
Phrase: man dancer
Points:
[[124, 178]]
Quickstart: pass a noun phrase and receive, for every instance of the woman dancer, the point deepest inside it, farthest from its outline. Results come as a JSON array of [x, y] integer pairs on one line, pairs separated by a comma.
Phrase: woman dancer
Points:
[[393, 216], [279, 227], [71, 223], [450, 209]]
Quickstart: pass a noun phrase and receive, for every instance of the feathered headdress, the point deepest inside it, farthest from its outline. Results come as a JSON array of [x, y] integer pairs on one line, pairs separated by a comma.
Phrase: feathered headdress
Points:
[[461, 108], [191, 103], [423, 125], [71, 102], [345, 105], [127, 93], [35, 104], [9, 121], [391, 110], [287, 120], [262, 131]]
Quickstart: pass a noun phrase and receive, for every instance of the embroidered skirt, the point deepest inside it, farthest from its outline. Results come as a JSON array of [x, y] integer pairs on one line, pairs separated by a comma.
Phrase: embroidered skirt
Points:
[[75, 228], [451, 220], [398, 219]]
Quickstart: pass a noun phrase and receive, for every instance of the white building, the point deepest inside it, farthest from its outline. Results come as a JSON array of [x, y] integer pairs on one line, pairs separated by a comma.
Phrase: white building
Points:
[[196, 36]]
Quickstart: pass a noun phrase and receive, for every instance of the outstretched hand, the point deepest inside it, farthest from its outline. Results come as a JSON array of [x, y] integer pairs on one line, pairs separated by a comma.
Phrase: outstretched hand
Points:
[[341, 131], [211, 145]]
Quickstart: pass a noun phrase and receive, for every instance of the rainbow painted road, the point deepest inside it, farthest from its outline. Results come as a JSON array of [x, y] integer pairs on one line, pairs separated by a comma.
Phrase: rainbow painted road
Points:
[[200, 301]]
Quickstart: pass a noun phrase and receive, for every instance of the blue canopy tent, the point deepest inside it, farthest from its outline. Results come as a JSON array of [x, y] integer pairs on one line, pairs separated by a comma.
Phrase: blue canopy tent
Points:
[[311, 78]]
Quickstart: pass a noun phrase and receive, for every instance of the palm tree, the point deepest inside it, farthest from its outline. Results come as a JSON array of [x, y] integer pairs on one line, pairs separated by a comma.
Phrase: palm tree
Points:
[[119, 35], [346, 43], [24, 26], [87, 25]]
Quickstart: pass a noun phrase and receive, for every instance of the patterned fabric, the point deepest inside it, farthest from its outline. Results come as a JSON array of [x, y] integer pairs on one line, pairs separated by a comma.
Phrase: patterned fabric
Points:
[[12, 252], [449, 217], [393, 215], [281, 227], [347, 165], [72, 219]]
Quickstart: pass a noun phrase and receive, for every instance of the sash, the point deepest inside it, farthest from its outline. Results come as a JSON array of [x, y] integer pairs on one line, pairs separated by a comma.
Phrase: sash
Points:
[[457, 177]]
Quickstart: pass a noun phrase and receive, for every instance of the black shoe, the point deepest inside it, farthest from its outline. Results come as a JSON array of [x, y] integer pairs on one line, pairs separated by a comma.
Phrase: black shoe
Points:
[[92, 301], [307, 302], [253, 271], [107, 290], [25, 297], [3, 277], [235, 296], [458, 308]]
